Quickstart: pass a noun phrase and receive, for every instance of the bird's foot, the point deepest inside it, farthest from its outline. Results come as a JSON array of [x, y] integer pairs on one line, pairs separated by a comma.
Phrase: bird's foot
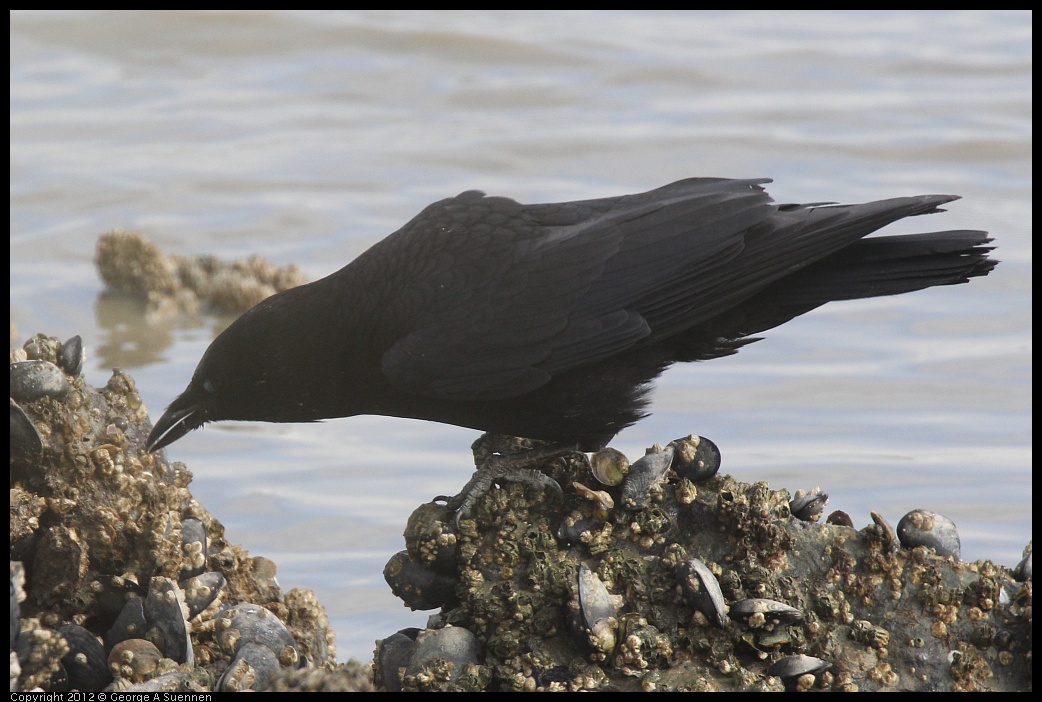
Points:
[[501, 458]]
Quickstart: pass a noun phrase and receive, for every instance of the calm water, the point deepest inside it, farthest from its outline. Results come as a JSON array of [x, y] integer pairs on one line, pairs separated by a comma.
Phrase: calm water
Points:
[[306, 137]]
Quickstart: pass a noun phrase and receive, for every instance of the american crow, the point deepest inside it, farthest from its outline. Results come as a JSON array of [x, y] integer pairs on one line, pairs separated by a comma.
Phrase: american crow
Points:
[[550, 321]]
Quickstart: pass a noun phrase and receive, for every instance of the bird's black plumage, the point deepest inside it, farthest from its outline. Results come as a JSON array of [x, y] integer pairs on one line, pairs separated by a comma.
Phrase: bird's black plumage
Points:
[[549, 321]]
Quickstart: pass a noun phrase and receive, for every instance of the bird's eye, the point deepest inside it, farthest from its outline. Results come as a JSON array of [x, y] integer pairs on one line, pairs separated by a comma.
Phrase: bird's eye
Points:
[[208, 387]]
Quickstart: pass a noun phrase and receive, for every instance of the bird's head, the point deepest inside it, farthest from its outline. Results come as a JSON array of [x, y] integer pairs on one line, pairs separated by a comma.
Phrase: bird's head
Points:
[[253, 371], [192, 408]]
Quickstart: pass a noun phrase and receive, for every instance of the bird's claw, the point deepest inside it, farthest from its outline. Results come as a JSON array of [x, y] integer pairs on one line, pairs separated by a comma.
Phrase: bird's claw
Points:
[[494, 466]]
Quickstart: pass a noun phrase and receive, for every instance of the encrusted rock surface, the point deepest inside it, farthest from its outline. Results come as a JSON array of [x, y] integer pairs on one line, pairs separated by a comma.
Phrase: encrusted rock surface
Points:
[[108, 545], [853, 610], [130, 263]]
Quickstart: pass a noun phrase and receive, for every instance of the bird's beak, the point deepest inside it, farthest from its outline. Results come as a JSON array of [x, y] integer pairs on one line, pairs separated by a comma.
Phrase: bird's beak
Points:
[[182, 416]]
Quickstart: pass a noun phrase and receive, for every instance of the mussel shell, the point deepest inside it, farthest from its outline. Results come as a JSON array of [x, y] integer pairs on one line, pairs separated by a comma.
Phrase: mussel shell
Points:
[[772, 610], [253, 668], [85, 664], [840, 518], [797, 665], [36, 379], [247, 623], [572, 532], [71, 356], [113, 592], [644, 474], [609, 466], [418, 587], [696, 458], [430, 537], [601, 499], [17, 594], [26, 442], [167, 682], [130, 623], [393, 656], [168, 627], [702, 590], [881, 529], [134, 659], [595, 602], [921, 527], [453, 644], [596, 610], [193, 543], [1023, 570], [808, 505], [202, 590]]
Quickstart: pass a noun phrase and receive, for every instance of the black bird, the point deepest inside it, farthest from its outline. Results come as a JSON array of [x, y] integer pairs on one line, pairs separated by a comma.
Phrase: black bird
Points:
[[550, 321]]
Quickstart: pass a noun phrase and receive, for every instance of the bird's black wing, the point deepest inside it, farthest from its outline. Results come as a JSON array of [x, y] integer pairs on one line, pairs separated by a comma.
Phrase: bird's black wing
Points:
[[497, 297]]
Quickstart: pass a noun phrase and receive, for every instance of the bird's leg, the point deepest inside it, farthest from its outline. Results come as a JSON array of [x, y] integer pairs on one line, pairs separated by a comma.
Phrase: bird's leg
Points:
[[501, 458]]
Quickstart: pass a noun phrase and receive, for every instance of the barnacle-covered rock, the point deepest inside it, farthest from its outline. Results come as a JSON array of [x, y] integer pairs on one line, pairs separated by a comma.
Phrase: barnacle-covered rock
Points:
[[581, 596], [39, 652], [115, 546], [131, 264]]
